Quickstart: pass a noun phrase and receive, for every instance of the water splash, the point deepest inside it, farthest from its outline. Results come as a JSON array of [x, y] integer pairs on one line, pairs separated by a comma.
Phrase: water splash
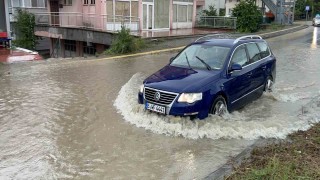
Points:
[[250, 123]]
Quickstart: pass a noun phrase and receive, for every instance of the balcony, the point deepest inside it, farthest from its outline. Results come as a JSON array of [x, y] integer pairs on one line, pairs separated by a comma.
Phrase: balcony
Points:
[[87, 21]]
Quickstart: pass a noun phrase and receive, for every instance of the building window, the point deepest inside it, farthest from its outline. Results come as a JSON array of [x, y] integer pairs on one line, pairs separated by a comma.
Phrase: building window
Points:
[[119, 9], [161, 14], [17, 3], [89, 2], [29, 3], [182, 11], [67, 2], [230, 11], [89, 48], [70, 45], [70, 48]]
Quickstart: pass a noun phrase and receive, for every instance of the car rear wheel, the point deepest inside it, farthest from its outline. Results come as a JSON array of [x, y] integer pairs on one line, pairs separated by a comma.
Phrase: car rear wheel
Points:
[[268, 87], [219, 106]]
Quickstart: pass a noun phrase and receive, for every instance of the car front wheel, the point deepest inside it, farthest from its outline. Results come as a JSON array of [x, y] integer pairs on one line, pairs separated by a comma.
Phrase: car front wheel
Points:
[[219, 106]]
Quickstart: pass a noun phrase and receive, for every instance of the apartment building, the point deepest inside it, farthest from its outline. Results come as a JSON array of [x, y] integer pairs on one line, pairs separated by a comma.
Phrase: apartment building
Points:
[[83, 27]]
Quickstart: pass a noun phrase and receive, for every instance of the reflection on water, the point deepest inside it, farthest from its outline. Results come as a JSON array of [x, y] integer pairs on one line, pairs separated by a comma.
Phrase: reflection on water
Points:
[[315, 38]]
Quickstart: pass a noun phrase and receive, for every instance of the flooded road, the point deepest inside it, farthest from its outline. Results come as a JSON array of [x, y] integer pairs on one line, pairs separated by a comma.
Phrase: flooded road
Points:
[[80, 119]]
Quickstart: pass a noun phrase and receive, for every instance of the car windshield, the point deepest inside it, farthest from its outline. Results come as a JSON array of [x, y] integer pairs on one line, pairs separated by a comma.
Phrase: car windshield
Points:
[[317, 17], [202, 56]]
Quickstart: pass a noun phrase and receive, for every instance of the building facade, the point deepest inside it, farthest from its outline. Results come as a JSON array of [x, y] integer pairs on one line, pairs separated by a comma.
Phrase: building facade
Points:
[[84, 27]]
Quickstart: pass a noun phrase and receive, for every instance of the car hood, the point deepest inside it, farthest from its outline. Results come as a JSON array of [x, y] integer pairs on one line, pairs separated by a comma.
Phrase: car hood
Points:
[[179, 80]]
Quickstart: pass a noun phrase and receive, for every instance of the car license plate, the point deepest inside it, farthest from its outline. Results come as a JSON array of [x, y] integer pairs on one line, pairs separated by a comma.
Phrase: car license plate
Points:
[[156, 108]]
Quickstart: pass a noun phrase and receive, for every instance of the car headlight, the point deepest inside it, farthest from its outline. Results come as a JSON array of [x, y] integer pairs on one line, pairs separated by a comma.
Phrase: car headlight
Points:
[[190, 97], [141, 88]]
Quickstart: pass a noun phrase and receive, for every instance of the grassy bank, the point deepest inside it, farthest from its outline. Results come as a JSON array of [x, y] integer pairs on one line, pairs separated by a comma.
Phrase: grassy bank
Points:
[[296, 158]]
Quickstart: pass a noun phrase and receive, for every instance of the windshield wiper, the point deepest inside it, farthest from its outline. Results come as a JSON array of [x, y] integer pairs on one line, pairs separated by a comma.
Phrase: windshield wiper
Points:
[[207, 65], [187, 60]]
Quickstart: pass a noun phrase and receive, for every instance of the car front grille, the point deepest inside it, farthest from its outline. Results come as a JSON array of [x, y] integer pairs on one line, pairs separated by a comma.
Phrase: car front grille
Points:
[[166, 98]]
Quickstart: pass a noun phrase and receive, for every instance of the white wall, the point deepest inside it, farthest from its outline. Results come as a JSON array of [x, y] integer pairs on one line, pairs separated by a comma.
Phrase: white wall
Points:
[[181, 25], [217, 4]]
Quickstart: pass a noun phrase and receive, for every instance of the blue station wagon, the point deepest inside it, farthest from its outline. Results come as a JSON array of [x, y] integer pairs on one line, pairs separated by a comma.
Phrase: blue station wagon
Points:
[[211, 77]]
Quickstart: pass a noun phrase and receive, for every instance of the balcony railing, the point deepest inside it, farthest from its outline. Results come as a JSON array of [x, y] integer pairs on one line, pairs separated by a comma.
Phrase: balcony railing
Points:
[[217, 22], [87, 21], [200, 2]]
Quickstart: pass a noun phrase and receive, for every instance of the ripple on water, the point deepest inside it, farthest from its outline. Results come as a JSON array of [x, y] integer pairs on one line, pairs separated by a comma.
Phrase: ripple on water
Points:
[[244, 124]]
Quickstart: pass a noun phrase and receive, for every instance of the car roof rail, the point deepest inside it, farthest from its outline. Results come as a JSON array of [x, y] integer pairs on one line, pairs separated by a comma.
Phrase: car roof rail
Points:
[[247, 37], [213, 36]]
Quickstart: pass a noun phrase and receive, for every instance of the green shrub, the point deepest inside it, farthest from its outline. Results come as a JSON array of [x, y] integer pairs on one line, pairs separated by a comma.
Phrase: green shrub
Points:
[[24, 30], [222, 12], [248, 16], [125, 43], [212, 11]]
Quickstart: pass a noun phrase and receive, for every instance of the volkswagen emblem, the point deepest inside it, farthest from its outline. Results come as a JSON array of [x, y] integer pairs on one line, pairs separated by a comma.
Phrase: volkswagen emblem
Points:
[[157, 96]]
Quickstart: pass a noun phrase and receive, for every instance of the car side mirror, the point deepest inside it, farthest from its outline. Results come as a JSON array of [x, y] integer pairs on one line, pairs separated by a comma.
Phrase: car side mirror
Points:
[[235, 67], [171, 59]]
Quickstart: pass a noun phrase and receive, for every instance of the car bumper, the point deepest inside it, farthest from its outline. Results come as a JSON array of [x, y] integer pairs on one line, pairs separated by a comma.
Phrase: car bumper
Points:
[[196, 109]]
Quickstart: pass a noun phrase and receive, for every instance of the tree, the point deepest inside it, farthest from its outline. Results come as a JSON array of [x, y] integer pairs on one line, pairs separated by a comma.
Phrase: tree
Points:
[[249, 17], [24, 30], [315, 8], [212, 11], [299, 8]]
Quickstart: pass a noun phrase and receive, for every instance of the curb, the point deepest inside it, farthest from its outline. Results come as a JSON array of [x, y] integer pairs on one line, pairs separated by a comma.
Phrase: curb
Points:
[[226, 169], [143, 53], [282, 32]]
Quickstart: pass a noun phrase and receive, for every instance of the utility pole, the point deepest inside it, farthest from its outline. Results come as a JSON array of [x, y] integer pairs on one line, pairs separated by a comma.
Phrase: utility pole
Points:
[[294, 6]]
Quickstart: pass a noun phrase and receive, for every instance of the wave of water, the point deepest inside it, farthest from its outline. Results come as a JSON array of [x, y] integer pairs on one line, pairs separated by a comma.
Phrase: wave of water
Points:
[[250, 123]]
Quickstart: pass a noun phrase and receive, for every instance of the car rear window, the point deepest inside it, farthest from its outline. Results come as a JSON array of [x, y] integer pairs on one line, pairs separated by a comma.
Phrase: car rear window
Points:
[[264, 49]]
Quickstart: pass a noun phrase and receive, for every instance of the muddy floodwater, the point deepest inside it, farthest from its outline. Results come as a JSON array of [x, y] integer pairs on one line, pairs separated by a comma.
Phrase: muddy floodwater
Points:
[[79, 119]]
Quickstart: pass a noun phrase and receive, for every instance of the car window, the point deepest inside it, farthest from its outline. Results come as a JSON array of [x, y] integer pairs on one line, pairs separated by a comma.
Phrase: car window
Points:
[[264, 49], [254, 52], [214, 56], [240, 56]]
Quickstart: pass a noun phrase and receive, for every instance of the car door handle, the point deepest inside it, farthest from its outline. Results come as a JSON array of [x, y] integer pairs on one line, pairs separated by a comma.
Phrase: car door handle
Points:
[[264, 68], [249, 74]]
